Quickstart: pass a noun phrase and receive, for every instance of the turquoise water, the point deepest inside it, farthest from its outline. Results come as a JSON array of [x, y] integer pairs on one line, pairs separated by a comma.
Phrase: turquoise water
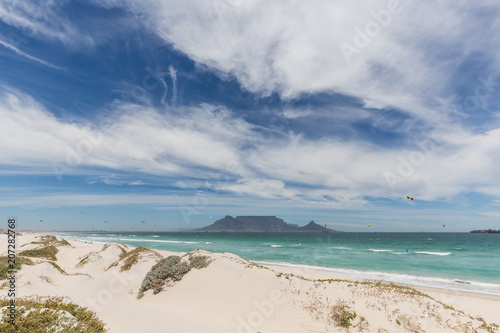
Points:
[[461, 261]]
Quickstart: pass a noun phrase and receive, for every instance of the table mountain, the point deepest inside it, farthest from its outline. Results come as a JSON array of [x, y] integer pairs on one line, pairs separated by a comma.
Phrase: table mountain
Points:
[[259, 224]]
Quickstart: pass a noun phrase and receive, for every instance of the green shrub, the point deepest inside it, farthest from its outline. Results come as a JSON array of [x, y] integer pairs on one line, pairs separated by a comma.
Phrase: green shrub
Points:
[[199, 262], [170, 269], [167, 268], [43, 317]]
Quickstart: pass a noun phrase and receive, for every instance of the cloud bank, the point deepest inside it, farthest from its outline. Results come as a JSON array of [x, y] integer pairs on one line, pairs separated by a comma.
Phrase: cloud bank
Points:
[[198, 143]]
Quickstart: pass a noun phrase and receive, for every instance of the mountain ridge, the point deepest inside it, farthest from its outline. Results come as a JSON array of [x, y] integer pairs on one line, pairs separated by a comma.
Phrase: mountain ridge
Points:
[[260, 224]]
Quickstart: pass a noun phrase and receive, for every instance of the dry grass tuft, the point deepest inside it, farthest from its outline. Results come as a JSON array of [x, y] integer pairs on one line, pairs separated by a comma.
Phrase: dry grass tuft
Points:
[[47, 252], [5, 265], [340, 314]]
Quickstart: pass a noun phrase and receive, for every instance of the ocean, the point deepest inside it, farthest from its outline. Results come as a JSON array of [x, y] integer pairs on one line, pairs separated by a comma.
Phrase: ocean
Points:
[[457, 261]]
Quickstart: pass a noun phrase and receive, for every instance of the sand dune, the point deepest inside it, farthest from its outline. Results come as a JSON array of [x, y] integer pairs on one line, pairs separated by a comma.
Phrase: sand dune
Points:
[[234, 295]]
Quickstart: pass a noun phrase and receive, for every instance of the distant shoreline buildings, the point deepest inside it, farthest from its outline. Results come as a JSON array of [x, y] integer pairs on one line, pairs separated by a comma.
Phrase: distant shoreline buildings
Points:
[[486, 231]]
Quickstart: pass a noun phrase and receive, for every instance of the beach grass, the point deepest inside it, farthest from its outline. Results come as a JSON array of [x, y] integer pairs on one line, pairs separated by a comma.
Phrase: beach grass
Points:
[[5, 265], [48, 252]]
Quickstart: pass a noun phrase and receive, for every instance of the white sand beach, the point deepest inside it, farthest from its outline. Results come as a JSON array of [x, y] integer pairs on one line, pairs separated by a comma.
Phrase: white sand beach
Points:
[[235, 296]]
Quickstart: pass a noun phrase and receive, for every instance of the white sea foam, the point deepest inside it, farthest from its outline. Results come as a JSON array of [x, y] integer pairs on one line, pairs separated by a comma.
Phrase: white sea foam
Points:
[[388, 251], [86, 240], [434, 253], [157, 240], [275, 245], [425, 281], [171, 241]]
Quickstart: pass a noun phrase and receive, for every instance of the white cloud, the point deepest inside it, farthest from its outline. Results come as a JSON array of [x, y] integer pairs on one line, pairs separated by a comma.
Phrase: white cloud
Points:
[[23, 54], [297, 113], [408, 59], [114, 180], [494, 214], [205, 143], [261, 188], [71, 200], [207, 146], [292, 47], [133, 138], [42, 19]]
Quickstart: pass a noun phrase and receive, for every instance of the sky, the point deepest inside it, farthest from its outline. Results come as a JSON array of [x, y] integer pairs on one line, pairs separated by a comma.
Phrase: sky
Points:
[[177, 113]]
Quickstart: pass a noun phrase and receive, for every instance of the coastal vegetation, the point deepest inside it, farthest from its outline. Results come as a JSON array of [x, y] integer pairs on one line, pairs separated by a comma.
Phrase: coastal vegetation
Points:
[[170, 269], [5, 265], [341, 315], [51, 240], [339, 312], [47, 252], [56, 266], [132, 257], [49, 315], [110, 245], [129, 259]]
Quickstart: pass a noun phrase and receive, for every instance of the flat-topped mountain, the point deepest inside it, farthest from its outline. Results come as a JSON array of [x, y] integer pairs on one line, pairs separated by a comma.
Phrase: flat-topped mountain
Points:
[[259, 224], [248, 224]]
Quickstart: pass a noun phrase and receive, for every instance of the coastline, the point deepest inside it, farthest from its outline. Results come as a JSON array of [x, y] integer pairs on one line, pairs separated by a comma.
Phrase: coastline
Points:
[[370, 256], [236, 295]]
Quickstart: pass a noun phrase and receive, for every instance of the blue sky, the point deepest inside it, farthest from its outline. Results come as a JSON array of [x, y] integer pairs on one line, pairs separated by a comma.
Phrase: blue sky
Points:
[[179, 113]]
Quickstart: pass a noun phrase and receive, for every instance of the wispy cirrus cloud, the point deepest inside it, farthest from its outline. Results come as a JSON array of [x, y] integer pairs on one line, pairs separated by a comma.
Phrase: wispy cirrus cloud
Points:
[[292, 47], [418, 57], [37, 19], [25, 55]]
